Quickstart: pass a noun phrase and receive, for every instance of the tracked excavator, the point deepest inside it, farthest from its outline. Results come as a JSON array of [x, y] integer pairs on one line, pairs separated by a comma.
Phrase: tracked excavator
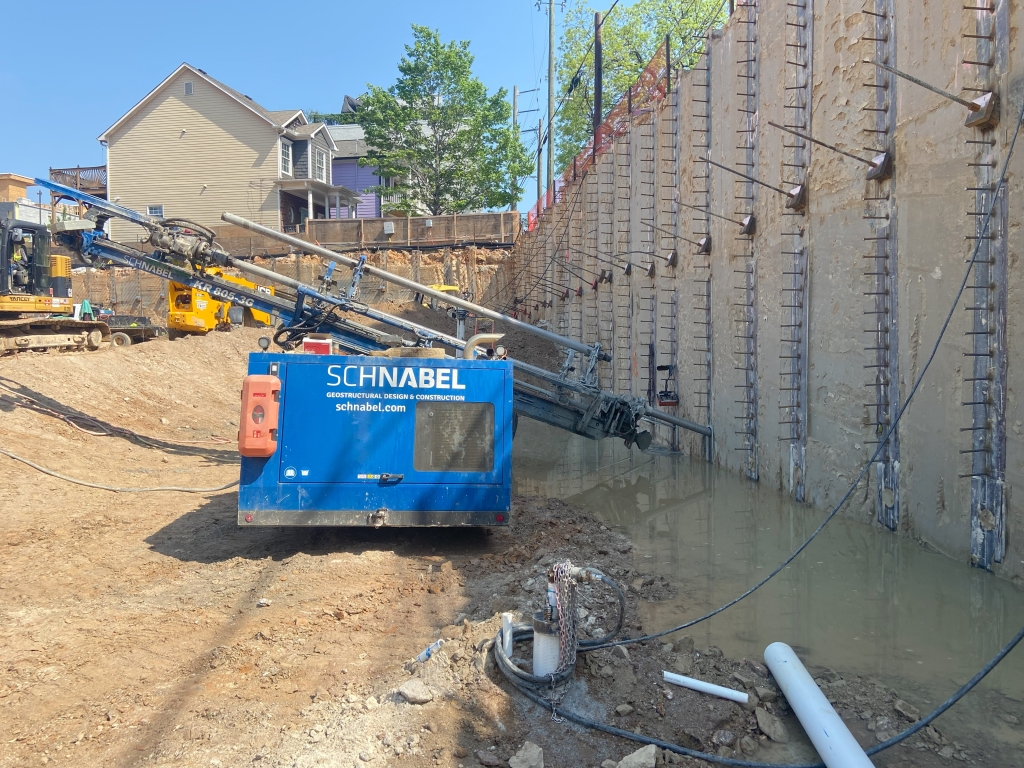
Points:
[[387, 430], [35, 294]]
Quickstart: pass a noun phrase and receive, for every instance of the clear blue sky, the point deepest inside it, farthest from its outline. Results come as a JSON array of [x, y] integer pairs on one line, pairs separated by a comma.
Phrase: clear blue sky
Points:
[[72, 69]]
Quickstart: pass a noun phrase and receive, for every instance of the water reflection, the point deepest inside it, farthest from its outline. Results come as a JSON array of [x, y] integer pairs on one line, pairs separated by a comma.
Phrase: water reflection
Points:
[[859, 599]]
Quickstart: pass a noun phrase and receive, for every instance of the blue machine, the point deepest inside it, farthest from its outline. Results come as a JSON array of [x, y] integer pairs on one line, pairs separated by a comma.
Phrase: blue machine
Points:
[[377, 441]]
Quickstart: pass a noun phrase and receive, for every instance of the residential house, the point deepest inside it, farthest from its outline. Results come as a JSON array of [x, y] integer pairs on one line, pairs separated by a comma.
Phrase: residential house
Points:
[[346, 171], [194, 148]]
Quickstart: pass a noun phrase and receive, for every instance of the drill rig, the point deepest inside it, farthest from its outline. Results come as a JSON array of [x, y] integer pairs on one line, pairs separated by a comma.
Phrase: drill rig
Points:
[[290, 400]]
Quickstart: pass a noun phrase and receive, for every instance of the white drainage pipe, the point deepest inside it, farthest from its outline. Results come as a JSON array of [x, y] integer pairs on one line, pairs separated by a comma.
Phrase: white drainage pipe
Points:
[[547, 646], [827, 731], [699, 685]]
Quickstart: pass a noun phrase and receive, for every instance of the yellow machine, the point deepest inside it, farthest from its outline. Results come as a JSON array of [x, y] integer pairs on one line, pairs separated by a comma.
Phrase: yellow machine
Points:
[[190, 310], [35, 293], [433, 303]]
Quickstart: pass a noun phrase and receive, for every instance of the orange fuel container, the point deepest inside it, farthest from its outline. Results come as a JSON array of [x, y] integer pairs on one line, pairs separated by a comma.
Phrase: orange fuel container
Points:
[[257, 425]]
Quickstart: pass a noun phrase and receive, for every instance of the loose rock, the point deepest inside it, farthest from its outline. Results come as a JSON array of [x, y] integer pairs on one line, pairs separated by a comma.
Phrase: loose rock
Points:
[[724, 738], [913, 714], [488, 758], [771, 726], [745, 680], [528, 756], [416, 692], [623, 709], [765, 694], [645, 757]]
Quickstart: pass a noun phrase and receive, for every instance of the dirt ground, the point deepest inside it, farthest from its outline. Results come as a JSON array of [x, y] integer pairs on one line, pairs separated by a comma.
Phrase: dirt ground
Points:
[[148, 629]]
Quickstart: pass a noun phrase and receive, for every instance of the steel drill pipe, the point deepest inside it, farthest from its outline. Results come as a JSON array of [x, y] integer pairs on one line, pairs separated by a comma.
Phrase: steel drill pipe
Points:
[[307, 247]]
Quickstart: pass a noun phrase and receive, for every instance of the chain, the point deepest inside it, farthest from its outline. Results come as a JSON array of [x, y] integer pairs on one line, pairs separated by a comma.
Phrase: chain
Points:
[[566, 600]]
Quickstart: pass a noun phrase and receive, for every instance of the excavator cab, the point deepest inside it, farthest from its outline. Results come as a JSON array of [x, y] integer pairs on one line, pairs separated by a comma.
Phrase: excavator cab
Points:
[[24, 259], [35, 294]]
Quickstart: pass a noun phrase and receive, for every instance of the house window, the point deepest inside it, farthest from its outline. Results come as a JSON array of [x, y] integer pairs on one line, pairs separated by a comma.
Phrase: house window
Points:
[[286, 157], [188, 87], [321, 165], [155, 210]]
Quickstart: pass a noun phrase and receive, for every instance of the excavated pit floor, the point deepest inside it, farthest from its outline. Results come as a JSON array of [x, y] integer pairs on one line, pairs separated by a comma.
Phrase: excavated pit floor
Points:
[[859, 600]]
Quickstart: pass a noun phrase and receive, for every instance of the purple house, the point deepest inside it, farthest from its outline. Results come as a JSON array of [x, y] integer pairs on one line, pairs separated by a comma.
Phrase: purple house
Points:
[[346, 171]]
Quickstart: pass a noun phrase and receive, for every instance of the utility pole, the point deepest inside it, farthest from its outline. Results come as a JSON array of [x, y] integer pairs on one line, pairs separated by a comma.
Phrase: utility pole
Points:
[[598, 77], [515, 105], [551, 97], [540, 170]]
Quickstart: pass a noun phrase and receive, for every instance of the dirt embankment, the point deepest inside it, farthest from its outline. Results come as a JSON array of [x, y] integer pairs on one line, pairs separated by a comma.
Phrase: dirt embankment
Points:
[[133, 634]]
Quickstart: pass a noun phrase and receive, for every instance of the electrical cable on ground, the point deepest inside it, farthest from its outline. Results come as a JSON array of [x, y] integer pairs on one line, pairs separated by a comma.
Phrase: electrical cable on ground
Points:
[[87, 484], [888, 434], [103, 430]]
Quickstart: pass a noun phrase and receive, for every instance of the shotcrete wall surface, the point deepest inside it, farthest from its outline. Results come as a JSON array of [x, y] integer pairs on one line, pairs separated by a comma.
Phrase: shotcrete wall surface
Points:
[[799, 343]]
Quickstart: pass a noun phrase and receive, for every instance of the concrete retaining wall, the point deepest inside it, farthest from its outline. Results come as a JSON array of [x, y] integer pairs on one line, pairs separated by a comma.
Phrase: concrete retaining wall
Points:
[[799, 343]]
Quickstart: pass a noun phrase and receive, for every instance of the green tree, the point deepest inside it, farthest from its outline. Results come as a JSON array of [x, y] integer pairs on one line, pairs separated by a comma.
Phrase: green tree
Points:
[[332, 118], [630, 36], [446, 144]]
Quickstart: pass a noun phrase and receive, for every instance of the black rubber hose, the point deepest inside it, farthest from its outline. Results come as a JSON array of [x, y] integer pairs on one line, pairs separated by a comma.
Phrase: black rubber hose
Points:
[[585, 645], [518, 676], [523, 632]]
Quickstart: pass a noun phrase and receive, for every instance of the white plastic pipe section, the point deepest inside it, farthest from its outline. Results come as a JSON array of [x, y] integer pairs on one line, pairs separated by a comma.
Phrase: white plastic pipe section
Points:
[[828, 733], [699, 685]]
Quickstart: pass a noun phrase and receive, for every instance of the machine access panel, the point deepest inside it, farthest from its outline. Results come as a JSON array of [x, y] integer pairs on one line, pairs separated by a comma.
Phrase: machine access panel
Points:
[[375, 441]]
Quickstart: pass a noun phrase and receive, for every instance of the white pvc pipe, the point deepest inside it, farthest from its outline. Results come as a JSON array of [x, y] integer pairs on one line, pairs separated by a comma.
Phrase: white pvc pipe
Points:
[[700, 685], [828, 733]]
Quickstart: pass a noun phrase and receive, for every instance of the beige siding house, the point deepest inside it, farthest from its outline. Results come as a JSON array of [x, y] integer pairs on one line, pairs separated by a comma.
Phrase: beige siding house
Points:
[[194, 148]]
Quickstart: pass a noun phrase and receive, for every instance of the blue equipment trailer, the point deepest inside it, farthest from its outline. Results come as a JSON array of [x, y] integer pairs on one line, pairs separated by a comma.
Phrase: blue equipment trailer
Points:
[[364, 440]]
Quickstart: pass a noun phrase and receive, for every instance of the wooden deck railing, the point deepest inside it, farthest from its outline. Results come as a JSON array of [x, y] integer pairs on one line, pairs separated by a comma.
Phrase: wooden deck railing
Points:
[[482, 229]]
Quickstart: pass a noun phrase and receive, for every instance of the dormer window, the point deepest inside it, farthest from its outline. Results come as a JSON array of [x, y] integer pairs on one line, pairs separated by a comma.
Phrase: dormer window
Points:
[[188, 87], [286, 157]]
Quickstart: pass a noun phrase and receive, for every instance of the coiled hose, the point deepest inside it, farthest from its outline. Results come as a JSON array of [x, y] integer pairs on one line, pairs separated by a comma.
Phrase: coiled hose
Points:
[[524, 632]]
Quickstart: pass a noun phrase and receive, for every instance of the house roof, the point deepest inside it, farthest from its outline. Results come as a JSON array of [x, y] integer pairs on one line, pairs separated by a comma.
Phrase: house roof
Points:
[[285, 116], [310, 130], [350, 139], [277, 118]]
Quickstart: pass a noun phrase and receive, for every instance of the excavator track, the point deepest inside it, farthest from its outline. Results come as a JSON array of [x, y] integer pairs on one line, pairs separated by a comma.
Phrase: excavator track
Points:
[[36, 333]]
